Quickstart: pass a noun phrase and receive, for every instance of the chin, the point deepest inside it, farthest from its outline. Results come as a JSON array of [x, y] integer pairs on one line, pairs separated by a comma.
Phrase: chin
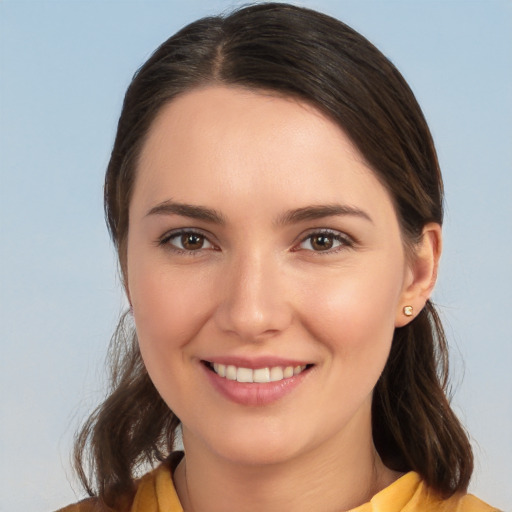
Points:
[[257, 454], [265, 445]]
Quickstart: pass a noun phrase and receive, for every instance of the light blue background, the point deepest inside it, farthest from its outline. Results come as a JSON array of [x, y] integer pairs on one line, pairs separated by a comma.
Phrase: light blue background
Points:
[[64, 67]]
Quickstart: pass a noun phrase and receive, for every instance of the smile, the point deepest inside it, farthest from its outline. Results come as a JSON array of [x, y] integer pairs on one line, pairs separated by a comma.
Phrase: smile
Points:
[[256, 375]]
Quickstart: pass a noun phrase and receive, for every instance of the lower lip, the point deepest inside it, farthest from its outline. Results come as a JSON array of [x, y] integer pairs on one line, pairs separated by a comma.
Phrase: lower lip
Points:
[[253, 394]]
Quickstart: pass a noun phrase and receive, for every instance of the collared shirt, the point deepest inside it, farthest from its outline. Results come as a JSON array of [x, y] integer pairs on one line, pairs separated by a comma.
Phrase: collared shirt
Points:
[[156, 493]]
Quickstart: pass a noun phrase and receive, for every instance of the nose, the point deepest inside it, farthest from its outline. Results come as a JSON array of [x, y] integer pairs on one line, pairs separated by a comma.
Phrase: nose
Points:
[[254, 304]]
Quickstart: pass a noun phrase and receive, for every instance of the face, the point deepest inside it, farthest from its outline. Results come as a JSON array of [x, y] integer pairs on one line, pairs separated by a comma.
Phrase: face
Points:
[[266, 271]]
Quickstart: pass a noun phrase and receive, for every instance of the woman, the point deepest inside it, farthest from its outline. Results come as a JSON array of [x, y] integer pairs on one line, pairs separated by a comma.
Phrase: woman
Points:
[[275, 199]]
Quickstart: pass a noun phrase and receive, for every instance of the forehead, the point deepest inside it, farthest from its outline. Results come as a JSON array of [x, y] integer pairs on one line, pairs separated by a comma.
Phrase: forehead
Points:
[[232, 143]]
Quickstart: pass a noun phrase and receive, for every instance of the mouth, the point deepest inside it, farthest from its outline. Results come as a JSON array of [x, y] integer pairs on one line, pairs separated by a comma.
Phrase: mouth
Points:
[[256, 375]]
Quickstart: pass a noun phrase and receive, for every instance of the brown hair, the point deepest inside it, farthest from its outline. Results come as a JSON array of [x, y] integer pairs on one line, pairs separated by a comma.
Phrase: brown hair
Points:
[[302, 53]]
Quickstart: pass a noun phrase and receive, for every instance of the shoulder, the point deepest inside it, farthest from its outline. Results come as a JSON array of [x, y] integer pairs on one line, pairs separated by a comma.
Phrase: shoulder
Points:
[[411, 494], [154, 486], [429, 501], [470, 503]]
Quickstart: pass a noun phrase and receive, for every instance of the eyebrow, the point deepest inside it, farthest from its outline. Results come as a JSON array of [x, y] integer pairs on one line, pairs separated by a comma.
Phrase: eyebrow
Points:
[[320, 211], [306, 213], [187, 210]]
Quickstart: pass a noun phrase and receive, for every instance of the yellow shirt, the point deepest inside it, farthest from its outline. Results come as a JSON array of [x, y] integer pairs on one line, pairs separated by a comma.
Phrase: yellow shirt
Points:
[[156, 493]]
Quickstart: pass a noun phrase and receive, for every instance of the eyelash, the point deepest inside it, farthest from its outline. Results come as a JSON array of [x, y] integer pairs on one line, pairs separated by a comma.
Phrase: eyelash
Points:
[[165, 241], [345, 241]]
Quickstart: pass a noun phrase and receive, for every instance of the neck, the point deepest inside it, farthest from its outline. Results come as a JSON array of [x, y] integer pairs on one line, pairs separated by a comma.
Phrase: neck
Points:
[[324, 479]]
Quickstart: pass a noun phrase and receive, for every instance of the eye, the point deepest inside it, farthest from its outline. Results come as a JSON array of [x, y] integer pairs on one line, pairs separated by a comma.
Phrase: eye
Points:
[[325, 241], [186, 241]]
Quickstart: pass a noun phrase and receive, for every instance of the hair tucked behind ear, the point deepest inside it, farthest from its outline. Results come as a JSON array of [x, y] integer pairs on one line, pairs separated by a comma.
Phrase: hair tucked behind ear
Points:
[[299, 53]]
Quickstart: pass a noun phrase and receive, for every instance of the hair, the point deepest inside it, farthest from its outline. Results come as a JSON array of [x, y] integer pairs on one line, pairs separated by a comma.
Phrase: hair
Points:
[[300, 53]]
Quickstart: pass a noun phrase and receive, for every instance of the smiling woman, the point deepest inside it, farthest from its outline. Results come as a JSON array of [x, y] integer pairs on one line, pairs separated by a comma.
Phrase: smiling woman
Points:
[[273, 289], [276, 202]]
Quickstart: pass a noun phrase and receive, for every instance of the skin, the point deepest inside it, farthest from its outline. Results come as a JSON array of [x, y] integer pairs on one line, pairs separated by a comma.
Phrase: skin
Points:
[[260, 284]]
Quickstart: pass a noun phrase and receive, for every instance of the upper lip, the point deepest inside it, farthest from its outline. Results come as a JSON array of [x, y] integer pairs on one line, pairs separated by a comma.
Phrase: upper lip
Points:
[[256, 362]]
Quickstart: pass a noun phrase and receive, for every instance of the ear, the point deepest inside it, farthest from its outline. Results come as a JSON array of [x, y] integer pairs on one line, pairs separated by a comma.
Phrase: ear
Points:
[[421, 274]]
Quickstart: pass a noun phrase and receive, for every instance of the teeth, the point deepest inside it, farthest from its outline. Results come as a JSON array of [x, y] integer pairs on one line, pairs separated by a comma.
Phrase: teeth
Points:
[[244, 375], [276, 373], [259, 375], [288, 372], [231, 372]]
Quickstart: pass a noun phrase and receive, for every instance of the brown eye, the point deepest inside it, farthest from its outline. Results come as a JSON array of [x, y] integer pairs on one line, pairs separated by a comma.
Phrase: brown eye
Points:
[[322, 242], [186, 241], [326, 241], [192, 241]]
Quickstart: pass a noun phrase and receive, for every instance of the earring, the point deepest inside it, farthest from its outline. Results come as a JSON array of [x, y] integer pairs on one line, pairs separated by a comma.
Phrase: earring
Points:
[[408, 310]]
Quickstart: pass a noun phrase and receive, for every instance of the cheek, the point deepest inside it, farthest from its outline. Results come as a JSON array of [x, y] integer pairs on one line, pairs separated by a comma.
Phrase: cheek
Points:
[[353, 314], [169, 309]]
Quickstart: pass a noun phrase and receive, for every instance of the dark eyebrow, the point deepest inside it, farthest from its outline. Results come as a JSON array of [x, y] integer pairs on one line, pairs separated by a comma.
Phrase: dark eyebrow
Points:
[[187, 210], [320, 211]]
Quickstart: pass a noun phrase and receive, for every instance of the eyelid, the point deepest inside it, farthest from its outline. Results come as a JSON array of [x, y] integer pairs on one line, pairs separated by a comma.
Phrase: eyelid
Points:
[[164, 240], [346, 241]]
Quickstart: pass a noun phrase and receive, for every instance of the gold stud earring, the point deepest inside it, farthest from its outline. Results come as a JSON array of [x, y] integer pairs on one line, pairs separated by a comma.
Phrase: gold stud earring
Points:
[[408, 310]]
